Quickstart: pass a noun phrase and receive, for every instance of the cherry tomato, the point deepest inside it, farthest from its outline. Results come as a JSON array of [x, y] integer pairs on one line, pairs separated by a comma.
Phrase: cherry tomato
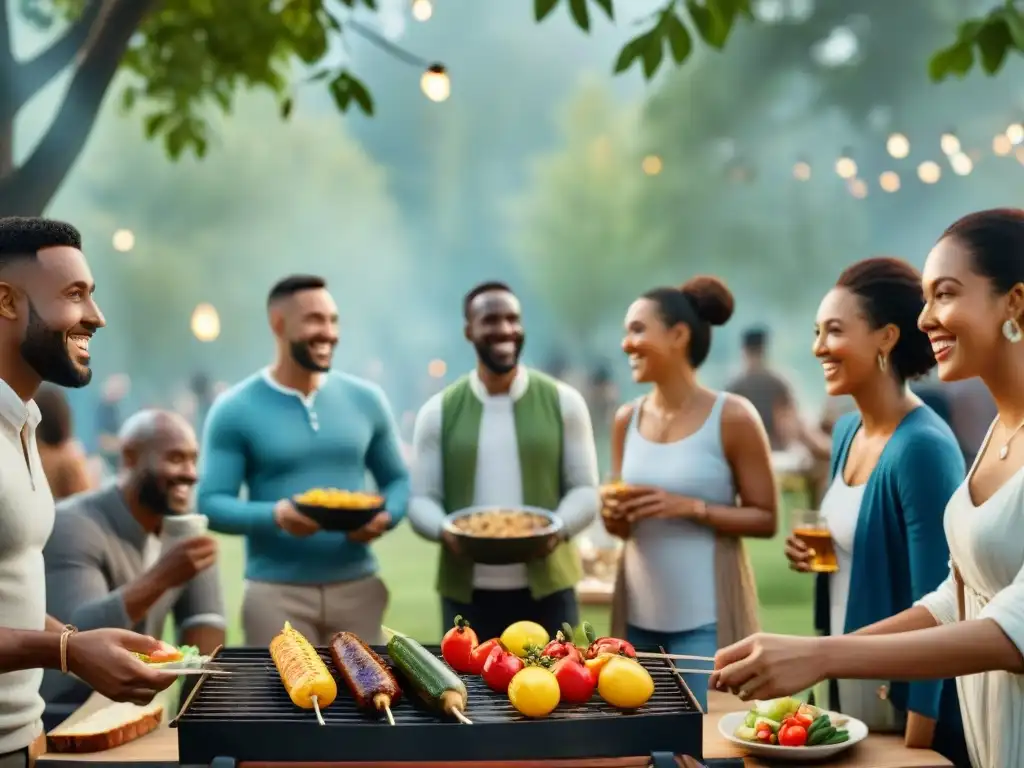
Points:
[[793, 736], [458, 644], [480, 654]]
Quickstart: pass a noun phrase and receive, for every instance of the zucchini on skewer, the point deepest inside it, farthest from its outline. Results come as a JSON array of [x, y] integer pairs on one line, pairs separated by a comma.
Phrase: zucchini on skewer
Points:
[[428, 676], [309, 683]]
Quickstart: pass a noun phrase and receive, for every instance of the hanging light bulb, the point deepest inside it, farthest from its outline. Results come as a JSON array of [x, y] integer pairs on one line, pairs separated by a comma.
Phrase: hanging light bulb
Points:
[[949, 143], [124, 240], [961, 164], [802, 171], [846, 167], [436, 369], [422, 10], [898, 146], [889, 181], [858, 188], [435, 83], [1002, 145], [1015, 133], [205, 322], [651, 165], [929, 172]]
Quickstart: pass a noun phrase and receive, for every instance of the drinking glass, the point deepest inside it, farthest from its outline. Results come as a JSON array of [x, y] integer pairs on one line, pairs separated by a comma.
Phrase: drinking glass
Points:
[[810, 527]]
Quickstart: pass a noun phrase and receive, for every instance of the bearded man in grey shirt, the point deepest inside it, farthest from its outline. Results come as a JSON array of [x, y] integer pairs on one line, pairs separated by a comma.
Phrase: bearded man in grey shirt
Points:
[[105, 566]]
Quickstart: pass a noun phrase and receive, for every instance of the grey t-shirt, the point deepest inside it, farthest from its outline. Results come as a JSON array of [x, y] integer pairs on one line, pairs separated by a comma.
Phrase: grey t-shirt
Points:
[[766, 391], [96, 549]]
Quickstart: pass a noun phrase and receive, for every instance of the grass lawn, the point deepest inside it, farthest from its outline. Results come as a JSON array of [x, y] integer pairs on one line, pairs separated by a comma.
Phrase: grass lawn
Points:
[[408, 567]]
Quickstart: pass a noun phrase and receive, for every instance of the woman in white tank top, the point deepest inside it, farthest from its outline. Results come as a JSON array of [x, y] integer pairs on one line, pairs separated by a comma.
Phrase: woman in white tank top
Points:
[[687, 453], [972, 626]]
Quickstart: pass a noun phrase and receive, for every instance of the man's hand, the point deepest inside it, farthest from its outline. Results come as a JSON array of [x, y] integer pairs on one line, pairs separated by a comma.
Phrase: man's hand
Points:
[[373, 529], [103, 659], [290, 520], [183, 561]]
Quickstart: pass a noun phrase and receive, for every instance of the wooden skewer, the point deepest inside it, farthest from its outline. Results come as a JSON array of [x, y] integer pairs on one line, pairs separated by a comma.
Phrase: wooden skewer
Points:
[[678, 656], [316, 708], [692, 671], [391, 718], [383, 704], [461, 717]]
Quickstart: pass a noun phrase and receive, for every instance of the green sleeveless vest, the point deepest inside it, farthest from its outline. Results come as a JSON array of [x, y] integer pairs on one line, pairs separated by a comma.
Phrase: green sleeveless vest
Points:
[[539, 426]]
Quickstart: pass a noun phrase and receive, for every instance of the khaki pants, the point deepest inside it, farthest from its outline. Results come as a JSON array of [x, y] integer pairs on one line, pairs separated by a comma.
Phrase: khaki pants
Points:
[[317, 611]]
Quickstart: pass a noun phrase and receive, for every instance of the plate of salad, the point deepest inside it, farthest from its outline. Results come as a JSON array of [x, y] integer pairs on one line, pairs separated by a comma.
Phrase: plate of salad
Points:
[[787, 729]]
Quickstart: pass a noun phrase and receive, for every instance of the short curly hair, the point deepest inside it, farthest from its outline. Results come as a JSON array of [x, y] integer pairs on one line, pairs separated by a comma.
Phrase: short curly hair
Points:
[[25, 236]]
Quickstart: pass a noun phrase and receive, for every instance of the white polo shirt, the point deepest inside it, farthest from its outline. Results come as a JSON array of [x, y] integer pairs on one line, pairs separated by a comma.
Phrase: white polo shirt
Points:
[[26, 520]]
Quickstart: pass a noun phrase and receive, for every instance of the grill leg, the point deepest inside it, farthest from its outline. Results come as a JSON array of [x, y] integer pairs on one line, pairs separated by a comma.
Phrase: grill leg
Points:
[[223, 762]]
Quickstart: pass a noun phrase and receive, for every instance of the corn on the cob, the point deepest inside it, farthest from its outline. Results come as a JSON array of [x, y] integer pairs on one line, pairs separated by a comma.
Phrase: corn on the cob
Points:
[[305, 676]]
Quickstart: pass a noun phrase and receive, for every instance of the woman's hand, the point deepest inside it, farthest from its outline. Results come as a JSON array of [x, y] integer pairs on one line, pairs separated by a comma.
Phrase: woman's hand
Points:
[[798, 554], [649, 502], [768, 666], [615, 524]]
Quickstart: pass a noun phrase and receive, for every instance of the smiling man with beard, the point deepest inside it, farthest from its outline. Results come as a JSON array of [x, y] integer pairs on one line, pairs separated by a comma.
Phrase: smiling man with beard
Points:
[[295, 426], [47, 317], [106, 566], [504, 436]]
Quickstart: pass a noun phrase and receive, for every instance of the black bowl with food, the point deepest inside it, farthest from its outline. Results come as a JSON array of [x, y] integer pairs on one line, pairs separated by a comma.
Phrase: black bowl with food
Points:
[[336, 510], [503, 535]]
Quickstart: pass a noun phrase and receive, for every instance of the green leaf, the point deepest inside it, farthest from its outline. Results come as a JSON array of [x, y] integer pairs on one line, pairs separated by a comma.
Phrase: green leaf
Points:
[[580, 14], [320, 74], [606, 6], [956, 59], [371, 4], [154, 123], [286, 108], [128, 97], [345, 88], [654, 52], [541, 8], [362, 96], [1015, 25], [713, 21], [632, 51], [176, 139], [993, 42], [679, 40]]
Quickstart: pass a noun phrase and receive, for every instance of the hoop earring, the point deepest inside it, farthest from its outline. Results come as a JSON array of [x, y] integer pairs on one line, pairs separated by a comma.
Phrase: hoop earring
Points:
[[883, 363], [1012, 331]]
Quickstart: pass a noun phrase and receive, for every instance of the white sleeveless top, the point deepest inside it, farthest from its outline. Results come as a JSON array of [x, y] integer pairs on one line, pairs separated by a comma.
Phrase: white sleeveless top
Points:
[[986, 542], [670, 564]]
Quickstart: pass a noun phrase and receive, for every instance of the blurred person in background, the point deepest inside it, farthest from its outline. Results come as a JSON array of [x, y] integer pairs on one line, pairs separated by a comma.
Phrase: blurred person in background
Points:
[[292, 427], [895, 463], [106, 566], [47, 319], [504, 436], [108, 417], [764, 388], [698, 466], [64, 461]]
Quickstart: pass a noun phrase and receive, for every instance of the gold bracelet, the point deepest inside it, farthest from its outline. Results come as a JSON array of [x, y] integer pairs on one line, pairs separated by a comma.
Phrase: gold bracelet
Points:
[[69, 630]]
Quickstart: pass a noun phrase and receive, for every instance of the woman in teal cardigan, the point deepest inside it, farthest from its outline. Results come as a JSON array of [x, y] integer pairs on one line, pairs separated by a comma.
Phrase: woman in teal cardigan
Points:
[[895, 463]]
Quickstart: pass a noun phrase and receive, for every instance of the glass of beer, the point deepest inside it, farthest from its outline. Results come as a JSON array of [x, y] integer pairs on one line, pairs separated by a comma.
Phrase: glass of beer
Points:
[[810, 527]]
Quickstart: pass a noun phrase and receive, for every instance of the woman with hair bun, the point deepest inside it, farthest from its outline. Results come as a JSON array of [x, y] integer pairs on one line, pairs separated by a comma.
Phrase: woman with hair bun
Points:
[[894, 465], [972, 626], [697, 469]]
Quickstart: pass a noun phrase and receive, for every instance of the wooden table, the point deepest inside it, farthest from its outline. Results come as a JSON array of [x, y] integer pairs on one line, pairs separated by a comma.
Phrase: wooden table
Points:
[[159, 749]]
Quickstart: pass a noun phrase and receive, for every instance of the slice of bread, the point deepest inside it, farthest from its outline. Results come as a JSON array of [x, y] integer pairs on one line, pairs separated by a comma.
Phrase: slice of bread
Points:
[[106, 728]]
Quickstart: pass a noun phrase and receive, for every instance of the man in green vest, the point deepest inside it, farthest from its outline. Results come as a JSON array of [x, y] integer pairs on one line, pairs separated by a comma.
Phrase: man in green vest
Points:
[[502, 436]]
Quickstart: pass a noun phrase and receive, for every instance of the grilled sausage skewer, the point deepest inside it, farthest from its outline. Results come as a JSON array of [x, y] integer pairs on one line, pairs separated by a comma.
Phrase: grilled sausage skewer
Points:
[[365, 673], [309, 683]]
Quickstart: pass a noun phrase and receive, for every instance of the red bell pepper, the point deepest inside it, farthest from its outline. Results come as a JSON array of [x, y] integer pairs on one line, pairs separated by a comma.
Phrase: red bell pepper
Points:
[[599, 645], [562, 646]]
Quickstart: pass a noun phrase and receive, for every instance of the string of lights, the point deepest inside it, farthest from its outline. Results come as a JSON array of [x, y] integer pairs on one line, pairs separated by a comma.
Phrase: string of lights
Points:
[[434, 82], [1006, 144]]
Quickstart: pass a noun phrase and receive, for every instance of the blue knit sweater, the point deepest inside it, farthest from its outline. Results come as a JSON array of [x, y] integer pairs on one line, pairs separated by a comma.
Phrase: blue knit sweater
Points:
[[279, 444]]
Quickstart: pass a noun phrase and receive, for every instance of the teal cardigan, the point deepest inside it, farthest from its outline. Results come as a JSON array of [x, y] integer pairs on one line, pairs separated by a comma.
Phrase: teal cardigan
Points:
[[900, 552]]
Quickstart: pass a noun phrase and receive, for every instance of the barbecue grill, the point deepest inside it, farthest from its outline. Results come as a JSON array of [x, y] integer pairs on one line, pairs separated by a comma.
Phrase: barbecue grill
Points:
[[247, 716]]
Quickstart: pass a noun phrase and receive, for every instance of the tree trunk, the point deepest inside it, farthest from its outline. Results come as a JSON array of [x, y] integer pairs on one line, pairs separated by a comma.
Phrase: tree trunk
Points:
[[94, 45]]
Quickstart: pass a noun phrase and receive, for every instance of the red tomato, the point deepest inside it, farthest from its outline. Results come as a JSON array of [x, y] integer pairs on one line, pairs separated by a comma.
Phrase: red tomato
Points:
[[458, 644], [165, 653], [575, 680], [479, 655], [793, 736], [561, 648], [499, 669]]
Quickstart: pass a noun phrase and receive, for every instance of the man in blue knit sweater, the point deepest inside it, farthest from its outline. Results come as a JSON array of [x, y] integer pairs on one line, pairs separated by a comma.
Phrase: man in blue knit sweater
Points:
[[294, 426]]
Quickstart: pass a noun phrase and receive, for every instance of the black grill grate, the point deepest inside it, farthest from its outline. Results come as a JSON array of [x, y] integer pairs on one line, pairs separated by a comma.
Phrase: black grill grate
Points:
[[248, 716]]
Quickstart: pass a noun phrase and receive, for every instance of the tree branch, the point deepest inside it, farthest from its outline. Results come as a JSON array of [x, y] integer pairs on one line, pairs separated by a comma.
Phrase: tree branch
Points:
[[31, 76], [29, 189]]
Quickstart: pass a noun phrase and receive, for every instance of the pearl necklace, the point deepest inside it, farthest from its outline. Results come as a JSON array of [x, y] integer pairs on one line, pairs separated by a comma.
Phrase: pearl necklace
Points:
[[1005, 450]]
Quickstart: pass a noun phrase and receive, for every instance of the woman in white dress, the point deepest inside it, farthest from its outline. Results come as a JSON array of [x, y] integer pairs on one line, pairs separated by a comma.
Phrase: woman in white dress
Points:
[[972, 626]]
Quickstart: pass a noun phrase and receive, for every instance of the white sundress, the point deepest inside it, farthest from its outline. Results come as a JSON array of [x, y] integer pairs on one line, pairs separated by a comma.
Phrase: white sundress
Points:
[[986, 543]]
